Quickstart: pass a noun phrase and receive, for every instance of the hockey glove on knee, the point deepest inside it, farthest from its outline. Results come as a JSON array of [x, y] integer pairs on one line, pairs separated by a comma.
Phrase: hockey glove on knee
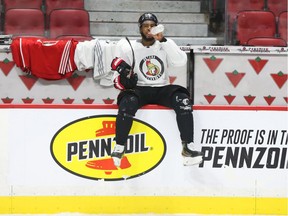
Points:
[[122, 82]]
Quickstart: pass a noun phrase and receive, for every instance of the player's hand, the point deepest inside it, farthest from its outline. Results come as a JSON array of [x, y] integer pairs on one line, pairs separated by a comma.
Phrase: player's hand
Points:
[[119, 65], [122, 82], [157, 32], [158, 36]]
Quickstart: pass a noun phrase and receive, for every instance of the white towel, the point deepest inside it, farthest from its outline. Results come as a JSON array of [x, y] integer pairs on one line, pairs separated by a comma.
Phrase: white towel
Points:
[[97, 55], [84, 55]]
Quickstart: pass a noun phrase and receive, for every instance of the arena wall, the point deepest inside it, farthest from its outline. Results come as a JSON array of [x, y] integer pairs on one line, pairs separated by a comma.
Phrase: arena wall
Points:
[[46, 152], [55, 156]]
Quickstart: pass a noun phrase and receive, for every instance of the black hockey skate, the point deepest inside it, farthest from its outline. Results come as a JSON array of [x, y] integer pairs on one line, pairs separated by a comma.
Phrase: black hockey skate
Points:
[[118, 154], [190, 155]]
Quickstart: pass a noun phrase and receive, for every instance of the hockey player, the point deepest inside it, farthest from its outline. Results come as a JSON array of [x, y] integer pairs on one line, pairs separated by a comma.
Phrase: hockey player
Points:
[[141, 75]]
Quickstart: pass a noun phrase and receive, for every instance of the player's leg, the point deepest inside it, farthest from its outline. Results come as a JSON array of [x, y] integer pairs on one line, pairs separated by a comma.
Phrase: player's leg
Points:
[[128, 106], [181, 103]]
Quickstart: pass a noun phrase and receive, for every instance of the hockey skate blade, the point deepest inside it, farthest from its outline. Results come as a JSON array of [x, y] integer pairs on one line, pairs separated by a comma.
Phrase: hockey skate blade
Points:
[[190, 161], [117, 161]]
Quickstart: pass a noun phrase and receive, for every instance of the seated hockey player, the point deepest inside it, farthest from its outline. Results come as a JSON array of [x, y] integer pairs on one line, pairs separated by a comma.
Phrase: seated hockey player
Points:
[[141, 74]]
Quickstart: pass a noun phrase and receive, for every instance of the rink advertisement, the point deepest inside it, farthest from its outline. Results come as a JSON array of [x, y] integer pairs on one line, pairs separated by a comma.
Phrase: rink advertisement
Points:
[[62, 154], [268, 149], [255, 141], [83, 147]]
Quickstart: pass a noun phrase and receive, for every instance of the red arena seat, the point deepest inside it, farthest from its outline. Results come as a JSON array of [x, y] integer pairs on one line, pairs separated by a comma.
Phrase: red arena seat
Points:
[[8, 4], [69, 22], [267, 41], [277, 6], [60, 4], [282, 25], [23, 22], [250, 24], [235, 6]]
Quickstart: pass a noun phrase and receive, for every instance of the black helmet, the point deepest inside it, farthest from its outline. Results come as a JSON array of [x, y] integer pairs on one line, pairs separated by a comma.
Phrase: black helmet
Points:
[[147, 16]]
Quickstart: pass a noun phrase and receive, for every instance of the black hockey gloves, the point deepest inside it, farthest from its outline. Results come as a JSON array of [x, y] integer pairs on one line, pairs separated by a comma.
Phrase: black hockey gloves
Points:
[[126, 79], [121, 66], [122, 82]]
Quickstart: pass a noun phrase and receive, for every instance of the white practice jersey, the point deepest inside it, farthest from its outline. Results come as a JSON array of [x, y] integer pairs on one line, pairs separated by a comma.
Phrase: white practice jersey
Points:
[[151, 62]]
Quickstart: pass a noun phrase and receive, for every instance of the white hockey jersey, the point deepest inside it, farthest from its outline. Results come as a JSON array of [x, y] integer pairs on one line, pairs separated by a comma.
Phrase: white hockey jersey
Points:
[[151, 62]]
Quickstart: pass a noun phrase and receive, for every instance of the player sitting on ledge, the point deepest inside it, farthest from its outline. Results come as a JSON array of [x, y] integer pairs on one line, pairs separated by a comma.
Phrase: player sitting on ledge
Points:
[[142, 76]]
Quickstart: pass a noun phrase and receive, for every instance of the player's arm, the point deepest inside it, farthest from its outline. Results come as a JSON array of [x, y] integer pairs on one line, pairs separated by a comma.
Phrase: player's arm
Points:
[[176, 57]]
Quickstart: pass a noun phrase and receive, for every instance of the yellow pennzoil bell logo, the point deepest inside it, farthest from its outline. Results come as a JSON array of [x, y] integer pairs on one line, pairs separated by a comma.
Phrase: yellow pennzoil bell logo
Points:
[[83, 147]]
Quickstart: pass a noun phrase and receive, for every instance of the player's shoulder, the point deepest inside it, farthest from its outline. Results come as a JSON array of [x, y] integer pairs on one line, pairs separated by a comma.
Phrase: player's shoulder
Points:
[[121, 42], [124, 45]]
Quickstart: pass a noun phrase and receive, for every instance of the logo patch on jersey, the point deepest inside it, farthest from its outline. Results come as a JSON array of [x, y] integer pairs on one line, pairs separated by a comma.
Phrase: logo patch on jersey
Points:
[[152, 67], [83, 147]]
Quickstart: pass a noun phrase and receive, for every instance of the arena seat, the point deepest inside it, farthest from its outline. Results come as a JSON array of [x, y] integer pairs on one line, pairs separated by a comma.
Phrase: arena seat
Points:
[[250, 24], [282, 25], [267, 41], [69, 22], [235, 6], [23, 22], [8, 4], [277, 6], [60, 4]]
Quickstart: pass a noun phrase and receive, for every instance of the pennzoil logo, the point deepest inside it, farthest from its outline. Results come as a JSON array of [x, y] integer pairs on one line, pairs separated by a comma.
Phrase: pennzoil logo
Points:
[[83, 147]]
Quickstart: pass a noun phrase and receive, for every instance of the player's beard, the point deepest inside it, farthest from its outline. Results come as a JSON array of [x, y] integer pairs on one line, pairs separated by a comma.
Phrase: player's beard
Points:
[[145, 38]]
